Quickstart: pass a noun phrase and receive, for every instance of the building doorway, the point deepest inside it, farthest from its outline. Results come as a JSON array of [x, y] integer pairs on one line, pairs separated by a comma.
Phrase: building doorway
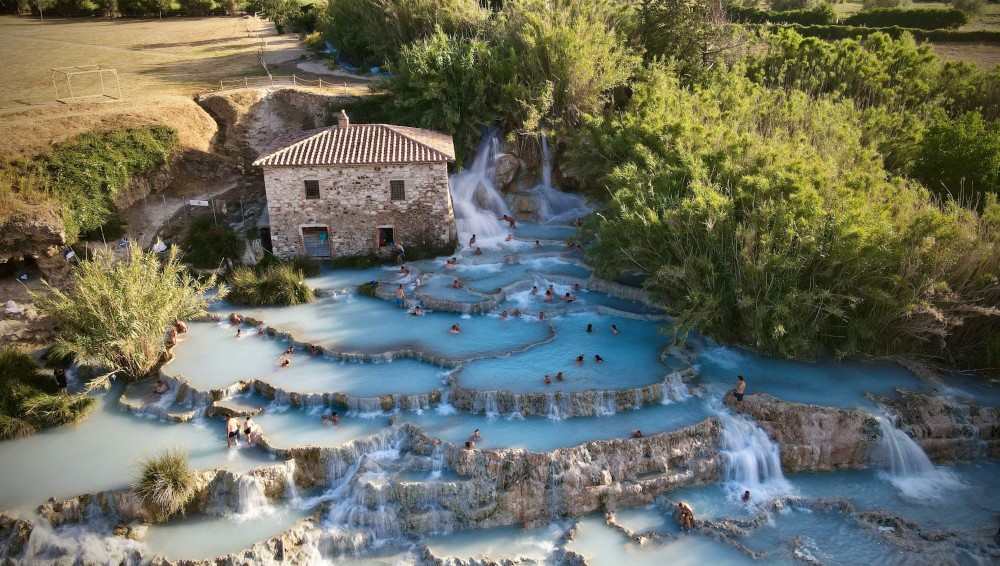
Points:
[[316, 241]]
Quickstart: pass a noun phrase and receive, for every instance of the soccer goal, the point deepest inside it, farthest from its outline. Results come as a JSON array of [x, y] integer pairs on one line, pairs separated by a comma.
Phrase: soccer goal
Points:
[[85, 82]]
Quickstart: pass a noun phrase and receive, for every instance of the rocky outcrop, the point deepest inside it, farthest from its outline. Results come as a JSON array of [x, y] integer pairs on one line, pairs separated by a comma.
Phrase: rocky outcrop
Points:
[[949, 431], [532, 488], [251, 119], [508, 168], [813, 438]]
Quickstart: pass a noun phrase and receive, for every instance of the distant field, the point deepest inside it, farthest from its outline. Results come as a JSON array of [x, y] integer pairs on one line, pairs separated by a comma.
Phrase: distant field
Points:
[[989, 19], [171, 56]]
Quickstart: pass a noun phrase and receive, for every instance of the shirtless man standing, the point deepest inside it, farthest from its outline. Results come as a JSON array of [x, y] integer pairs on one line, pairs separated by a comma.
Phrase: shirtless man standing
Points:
[[232, 432], [741, 386]]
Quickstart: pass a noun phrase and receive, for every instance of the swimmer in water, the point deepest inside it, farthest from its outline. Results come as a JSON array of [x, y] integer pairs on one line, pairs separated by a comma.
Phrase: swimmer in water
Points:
[[455, 328]]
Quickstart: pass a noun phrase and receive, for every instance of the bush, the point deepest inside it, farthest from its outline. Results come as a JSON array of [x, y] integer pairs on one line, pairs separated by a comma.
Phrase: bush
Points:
[[820, 15], [961, 157], [165, 482], [367, 290], [315, 41], [918, 18], [358, 261], [276, 285], [196, 6], [872, 4], [30, 399], [972, 7], [207, 246], [309, 266], [116, 313], [791, 5], [895, 32], [87, 172]]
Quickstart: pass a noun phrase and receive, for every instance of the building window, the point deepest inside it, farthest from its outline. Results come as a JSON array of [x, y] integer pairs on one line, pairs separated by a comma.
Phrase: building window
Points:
[[312, 189], [385, 236], [397, 190]]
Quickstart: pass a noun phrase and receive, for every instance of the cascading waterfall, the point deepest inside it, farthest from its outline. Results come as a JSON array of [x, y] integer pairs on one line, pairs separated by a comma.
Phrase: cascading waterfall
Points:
[[515, 413], [486, 402], [252, 501], [605, 404], [365, 406], [437, 460], [478, 204], [907, 466], [554, 204], [751, 460], [674, 389]]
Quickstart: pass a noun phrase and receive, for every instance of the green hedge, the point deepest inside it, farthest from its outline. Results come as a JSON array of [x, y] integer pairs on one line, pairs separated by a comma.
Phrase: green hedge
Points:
[[917, 18], [820, 15], [845, 32]]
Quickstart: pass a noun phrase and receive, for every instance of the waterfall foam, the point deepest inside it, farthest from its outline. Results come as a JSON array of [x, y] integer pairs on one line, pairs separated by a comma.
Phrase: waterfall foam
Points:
[[674, 389], [907, 466], [554, 204], [752, 462], [253, 502], [478, 204]]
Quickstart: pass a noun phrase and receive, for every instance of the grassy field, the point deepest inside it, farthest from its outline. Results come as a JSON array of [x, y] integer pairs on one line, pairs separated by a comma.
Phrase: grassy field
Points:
[[161, 65]]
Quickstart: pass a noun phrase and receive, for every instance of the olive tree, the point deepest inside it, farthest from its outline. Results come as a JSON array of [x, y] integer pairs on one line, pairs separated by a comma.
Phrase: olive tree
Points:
[[116, 313]]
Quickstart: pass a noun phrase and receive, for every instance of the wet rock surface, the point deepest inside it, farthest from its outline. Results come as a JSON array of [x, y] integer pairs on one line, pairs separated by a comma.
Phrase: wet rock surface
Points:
[[949, 431], [813, 438]]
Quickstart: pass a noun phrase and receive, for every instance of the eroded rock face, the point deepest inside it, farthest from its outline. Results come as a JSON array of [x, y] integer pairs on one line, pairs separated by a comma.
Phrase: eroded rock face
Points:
[[533, 488], [813, 438], [948, 431], [508, 168]]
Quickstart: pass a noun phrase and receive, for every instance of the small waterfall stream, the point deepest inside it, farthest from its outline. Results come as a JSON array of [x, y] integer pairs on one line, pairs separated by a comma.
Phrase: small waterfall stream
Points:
[[252, 500], [752, 460], [907, 466]]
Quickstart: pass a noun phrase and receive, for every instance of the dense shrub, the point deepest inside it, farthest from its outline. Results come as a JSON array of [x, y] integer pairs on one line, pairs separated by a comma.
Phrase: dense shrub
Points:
[[116, 313], [371, 32], [791, 5], [961, 157], [820, 15], [873, 4], [973, 7], [196, 6], [918, 18], [207, 246], [896, 32], [87, 172], [275, 285], [165, 482], [763, 217], [30, 399]]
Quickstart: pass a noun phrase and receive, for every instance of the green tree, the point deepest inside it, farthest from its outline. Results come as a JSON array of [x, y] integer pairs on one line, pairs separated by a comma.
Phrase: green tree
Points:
[[116, 313], [572, 45], [693, 33], [763, 217], [444, 83]]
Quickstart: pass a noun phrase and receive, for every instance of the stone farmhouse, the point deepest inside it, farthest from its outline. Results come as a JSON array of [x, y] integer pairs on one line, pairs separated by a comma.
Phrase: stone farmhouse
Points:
[[352, 189]]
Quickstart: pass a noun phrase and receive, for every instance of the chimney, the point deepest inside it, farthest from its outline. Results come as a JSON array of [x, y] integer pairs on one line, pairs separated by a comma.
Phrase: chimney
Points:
[[343, 121]]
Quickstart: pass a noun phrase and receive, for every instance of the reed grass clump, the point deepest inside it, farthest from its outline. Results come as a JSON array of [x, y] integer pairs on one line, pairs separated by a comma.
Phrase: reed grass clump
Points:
[[280, 284], [165, 483], [30, 399]]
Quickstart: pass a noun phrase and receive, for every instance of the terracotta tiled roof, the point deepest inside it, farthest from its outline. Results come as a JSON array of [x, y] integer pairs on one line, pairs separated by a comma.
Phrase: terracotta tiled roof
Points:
[[359, 144]]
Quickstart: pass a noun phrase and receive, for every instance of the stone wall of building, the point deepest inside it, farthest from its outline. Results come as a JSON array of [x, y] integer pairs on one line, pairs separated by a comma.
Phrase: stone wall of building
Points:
[[355, 201]]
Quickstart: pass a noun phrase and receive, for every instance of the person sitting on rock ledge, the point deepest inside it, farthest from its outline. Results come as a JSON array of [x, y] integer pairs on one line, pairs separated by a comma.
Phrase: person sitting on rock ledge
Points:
[[179, 326], [469, 445], [637, 434], [160, 388], [685, 516], [235, 318], [314, 350]]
